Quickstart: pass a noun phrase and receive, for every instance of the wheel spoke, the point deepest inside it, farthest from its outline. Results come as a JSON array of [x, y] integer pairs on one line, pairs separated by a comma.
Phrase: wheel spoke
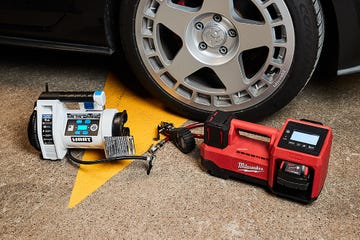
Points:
[[183, 65], [174, 17], [254, 35], [224, 7], [231, 75]]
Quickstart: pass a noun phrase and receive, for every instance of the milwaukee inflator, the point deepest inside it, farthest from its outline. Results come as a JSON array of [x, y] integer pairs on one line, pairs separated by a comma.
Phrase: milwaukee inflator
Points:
[[293, 162]]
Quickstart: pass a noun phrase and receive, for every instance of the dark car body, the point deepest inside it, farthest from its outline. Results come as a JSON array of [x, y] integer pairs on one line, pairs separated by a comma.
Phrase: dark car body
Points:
[[92, 26], [76, 25]]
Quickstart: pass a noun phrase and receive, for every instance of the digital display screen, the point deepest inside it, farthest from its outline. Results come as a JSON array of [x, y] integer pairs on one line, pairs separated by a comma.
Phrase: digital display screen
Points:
[[305, 138], [82, 127]]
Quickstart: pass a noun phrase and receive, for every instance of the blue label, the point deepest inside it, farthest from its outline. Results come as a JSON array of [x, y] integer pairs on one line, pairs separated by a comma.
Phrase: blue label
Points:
[[47, 116], [89, 105]]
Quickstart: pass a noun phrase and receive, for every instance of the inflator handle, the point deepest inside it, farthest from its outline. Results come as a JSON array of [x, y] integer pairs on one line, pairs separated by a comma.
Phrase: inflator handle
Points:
[[254, 128], [68, 96]]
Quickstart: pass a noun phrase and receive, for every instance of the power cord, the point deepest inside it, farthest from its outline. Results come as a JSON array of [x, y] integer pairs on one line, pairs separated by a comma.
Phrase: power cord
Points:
[[149, 158], [182, 137]]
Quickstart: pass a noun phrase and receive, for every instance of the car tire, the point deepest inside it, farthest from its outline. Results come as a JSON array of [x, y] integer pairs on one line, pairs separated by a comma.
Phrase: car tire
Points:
[[248, 57]]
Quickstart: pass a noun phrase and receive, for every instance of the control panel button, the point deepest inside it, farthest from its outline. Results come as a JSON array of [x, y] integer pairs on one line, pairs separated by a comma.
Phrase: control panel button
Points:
[[94, 127], [70, 128]]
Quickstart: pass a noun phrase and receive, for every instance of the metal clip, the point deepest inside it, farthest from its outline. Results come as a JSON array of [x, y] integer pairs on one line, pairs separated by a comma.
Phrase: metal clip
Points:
[[151, 159], [151, 153], [154, 148], [163, 126]]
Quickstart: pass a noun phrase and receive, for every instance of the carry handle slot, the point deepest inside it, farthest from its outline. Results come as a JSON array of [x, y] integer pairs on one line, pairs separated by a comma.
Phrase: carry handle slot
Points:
[[252, 128]]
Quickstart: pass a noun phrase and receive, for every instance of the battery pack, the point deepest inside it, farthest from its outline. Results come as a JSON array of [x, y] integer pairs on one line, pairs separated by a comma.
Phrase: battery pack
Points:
[[216, 129]]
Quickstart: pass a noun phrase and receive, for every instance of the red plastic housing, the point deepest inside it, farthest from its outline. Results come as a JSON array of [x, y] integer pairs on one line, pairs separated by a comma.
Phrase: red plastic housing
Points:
[[261, 162]]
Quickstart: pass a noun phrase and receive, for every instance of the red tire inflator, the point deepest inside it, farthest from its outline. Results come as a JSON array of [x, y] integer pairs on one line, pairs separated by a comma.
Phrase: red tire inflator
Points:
[[292, 164]]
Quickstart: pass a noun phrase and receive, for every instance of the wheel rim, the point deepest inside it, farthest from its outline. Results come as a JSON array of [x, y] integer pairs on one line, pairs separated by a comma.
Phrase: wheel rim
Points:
[[232, 55]]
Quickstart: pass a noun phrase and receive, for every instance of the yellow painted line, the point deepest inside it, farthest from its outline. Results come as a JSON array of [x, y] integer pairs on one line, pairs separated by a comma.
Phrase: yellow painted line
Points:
[[144, 114]]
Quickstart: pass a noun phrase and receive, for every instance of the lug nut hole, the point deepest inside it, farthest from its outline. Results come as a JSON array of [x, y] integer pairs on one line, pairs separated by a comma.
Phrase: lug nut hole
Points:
[[203, 46], [232, 33], [217, 18], [199, 26], [223, 50]]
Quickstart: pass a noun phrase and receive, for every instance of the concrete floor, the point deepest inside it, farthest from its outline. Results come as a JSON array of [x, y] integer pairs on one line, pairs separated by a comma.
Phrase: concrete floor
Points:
[[179, 200]]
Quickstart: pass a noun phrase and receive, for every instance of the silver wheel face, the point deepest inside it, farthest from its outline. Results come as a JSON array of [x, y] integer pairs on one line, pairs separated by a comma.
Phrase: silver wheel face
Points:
[[214, 54]]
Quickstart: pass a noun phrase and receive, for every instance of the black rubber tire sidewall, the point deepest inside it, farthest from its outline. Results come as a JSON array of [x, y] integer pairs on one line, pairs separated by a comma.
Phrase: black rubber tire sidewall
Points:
[[305, 57]]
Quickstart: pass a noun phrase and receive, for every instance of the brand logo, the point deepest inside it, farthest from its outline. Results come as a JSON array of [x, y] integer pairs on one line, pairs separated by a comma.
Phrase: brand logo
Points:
[[243, 167], [81, 139]]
